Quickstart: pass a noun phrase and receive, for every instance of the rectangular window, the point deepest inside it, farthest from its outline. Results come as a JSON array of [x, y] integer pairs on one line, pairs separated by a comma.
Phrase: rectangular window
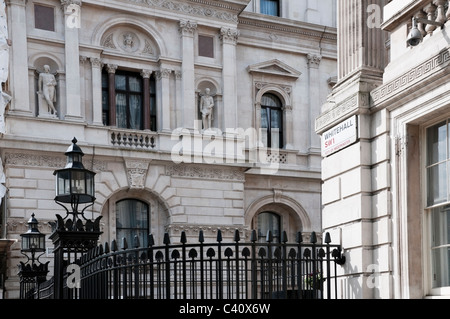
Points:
[[270, 7], [44, 17], [206, 46], [437, 174], [129, 101]]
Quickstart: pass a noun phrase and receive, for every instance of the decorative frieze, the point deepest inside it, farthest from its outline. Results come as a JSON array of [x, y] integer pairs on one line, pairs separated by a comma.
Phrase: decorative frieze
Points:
[[341, 110], [203, 172], [33, 160], [185, 8], [409, 78]]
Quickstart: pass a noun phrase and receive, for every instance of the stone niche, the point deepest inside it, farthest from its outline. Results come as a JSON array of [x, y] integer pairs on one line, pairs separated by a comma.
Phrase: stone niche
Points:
[[46, 67]]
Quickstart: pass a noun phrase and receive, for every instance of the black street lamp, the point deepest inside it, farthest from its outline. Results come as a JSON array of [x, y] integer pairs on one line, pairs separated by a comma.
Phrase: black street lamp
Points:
[[31, 275], [74, 184], [33, 241], [74, 236]]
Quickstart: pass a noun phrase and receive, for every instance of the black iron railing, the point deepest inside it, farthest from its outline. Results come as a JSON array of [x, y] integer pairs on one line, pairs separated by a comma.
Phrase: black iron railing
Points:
[[202, 270]]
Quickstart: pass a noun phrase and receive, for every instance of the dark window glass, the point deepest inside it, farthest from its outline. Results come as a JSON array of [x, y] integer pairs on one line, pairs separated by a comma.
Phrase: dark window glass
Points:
[[206, 46], [44, 18], [132, 219], [272, 121]]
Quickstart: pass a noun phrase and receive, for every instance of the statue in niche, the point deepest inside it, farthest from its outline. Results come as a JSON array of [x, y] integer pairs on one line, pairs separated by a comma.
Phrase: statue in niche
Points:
[[206, 108], [47, 92]]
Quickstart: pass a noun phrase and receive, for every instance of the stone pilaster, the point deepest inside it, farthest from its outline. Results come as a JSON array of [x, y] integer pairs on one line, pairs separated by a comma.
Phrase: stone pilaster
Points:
[[72, 25], [187, 30], [229, 39]]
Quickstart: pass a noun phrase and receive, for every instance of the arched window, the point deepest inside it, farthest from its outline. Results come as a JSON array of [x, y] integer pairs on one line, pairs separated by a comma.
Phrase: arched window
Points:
[[132, 218], [269, 221], [271, 121]]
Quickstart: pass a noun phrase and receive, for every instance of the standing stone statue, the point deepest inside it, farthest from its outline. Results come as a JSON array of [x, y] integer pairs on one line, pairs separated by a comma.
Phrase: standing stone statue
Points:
[[206, 108], [46, 85]]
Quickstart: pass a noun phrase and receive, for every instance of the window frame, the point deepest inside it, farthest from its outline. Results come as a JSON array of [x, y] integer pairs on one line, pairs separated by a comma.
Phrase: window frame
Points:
[[278, 5], [281, 143], [152, 93], [432, 207], [143, 241]]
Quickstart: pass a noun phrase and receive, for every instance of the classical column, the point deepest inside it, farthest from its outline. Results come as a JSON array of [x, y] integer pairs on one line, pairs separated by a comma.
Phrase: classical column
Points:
[[112, 93], [163, 76], [146, 101], [187, 30], [314, 102], [97, 112], [19, 57], [72, 10], [229, 39]]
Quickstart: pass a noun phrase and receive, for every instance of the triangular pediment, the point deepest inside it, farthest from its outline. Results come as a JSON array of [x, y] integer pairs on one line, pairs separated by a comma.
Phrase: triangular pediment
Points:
[[274, 67]]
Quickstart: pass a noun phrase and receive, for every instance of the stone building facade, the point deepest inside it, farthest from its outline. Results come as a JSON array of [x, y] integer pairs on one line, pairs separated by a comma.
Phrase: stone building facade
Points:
[[385, 135], [127, 78]]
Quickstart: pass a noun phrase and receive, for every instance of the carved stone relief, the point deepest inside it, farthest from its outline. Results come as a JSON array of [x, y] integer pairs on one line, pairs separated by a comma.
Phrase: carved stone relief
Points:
[[129, 41], [136, 172]]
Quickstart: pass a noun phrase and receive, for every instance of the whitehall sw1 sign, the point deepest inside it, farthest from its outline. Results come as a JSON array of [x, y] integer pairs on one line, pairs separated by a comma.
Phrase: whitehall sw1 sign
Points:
[[339, 137]]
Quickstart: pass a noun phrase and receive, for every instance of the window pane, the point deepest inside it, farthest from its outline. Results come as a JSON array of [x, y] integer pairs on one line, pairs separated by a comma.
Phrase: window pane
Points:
[[264, 118], [121, 110], [104, 80], [441, 267], [44, 18], [206, 46], [270, 7], [135, 112], [135, 84], [132, 218], [276, 118], [436, 143], [270, 100], [437, 184], [440, 226], [268, 222], [121, 82]]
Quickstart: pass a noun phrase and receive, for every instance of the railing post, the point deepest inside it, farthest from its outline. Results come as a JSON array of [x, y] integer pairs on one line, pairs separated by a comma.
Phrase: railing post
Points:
[[115, 270], [201, 239], [314, 263], [136, 245], [328, 260], [167, 243], [283, 263], [151, 242], [269, 239], [219, 266], [253, 239], [299, 240], [183, 241], [237, 239]]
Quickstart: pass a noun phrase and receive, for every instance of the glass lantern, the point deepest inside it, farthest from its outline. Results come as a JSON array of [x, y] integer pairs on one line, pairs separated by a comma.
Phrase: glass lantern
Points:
[[74, 182], [33, 241]]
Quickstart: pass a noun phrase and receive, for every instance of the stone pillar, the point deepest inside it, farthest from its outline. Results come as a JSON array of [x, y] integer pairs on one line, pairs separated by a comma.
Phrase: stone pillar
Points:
[[72, 16], [163, 77], [187, 30], [314, 103], [112, 93], [146, 101], [97, 112], [178, 99], [19, 57], [229, 39]]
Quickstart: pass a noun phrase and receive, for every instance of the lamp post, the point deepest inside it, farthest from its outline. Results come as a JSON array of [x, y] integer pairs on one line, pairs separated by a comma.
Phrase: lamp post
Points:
[[74, 184], [73, 234], [31, 275]]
